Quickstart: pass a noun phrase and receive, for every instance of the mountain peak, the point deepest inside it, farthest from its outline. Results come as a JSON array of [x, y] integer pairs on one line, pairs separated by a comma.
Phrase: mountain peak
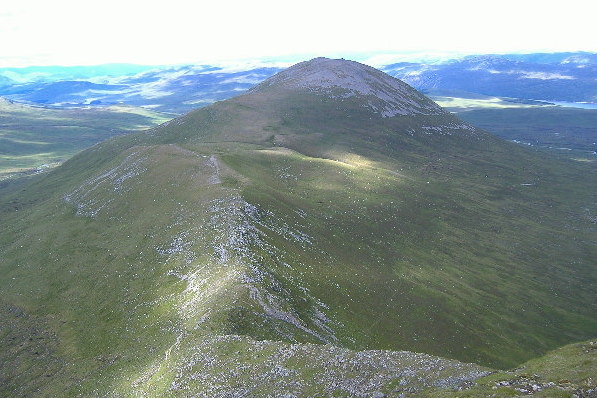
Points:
[[340, 78]]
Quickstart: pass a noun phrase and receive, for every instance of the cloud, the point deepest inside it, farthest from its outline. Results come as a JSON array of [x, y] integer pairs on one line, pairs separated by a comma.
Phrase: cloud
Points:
[[545, 76], [529, 74], [245, 79]]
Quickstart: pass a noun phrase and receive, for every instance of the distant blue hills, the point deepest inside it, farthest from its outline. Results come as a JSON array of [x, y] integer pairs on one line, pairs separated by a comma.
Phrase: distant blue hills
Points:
[[549, 77], [174, 89], [570, 77]]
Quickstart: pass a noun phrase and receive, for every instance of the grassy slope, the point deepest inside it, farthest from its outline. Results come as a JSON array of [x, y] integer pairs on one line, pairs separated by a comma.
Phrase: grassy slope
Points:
[[566, 372], [31, 137], [566, 132], [421, 242], [99, 284], [492, 214], [95, 307]]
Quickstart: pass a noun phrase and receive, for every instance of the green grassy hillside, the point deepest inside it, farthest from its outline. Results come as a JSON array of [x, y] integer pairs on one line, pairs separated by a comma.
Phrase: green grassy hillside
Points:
[[253, 238], [570, 133], [564, 132], [566, 372], [34, 139]]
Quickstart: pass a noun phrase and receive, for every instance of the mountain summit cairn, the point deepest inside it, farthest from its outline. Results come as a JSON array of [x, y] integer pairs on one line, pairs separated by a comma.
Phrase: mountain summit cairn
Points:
[[342, 79]]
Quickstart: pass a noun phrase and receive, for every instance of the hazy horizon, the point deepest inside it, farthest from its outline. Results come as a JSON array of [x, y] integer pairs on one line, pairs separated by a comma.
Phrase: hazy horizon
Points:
[[71, 33]]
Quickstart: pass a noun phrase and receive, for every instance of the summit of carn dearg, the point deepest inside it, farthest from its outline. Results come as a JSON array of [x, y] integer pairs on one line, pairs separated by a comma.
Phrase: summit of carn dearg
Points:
[[343, 79]]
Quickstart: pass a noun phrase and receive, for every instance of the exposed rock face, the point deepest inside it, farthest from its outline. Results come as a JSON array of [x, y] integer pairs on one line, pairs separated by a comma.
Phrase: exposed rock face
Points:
[[340, 78]]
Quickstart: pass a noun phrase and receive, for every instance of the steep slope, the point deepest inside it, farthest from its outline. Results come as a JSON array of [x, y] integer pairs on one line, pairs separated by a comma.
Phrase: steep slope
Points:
[[330, 204]]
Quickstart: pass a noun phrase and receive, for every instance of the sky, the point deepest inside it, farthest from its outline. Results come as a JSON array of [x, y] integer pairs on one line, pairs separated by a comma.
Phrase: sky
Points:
[[75, 32]]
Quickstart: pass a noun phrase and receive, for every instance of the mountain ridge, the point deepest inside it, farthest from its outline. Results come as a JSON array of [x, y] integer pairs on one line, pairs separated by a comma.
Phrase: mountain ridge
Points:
[[297, 217]]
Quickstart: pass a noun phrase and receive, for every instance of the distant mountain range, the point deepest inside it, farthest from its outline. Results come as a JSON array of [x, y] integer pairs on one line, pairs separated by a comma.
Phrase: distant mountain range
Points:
[[546, 77], [166, 89]]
